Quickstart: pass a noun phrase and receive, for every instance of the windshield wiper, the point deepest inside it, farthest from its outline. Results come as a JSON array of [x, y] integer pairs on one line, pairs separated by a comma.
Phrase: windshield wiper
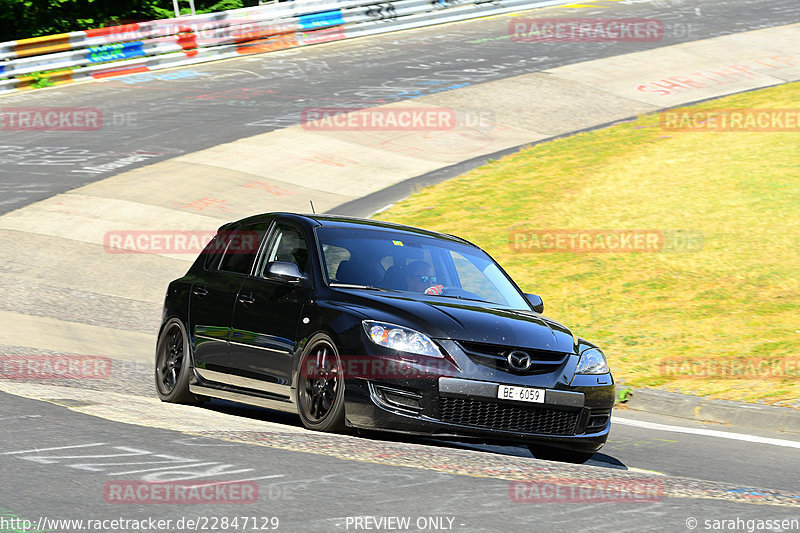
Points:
[[357, 286], [458, 297]]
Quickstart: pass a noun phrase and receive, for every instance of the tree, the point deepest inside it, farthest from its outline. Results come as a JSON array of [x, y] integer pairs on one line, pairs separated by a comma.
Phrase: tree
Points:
[[31, 18]]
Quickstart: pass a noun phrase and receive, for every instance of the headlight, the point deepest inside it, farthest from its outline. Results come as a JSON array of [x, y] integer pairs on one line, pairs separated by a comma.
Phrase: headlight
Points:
[[400, 338], [592, 361]]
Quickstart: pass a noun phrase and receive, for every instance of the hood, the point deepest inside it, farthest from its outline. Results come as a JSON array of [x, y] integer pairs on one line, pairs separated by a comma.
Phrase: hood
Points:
[[465, 320]]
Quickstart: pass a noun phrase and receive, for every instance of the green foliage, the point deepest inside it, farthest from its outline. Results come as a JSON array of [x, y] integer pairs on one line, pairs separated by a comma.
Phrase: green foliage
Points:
[[41, 80], [623, 395], [20, 19], [220, 5]]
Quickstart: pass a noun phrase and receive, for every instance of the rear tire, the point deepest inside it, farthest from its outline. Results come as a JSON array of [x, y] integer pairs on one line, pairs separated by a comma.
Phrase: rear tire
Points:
[[173, 365], [558, 454], [320, 386]]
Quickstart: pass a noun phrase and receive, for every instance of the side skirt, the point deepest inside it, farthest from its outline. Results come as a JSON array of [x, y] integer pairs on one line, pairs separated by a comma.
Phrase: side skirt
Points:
[[250, 398]]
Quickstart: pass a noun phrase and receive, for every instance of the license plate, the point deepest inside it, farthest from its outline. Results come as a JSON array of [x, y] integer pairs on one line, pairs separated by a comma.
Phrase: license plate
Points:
[[520, 394]]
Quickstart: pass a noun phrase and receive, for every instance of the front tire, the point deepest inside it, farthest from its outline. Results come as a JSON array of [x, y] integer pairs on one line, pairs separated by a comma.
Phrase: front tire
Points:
[[320, 386], [173, 365]]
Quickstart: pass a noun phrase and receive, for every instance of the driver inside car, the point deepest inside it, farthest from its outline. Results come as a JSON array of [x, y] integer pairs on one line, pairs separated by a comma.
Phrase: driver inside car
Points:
[[420, 278]]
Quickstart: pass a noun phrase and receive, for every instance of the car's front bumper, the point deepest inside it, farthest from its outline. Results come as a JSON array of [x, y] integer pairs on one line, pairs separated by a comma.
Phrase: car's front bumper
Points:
[[577, 419]]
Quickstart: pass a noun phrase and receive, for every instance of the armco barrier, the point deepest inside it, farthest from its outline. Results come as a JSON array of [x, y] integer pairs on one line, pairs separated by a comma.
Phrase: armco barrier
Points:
[[159, 44]]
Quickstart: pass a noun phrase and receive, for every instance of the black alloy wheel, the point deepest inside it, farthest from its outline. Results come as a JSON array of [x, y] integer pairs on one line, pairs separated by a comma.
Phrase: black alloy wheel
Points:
[[320, 386], [173, 365]]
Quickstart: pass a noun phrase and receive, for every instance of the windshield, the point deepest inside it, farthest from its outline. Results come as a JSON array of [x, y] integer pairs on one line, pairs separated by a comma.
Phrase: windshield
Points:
[[398, 261]]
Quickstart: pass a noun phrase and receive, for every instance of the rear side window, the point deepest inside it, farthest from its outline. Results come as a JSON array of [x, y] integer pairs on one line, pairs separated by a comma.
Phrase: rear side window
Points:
[[214, 250], [241, 248]]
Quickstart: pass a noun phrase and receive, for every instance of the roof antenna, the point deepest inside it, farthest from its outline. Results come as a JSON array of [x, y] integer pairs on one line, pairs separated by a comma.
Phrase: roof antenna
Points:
[[312, 207]]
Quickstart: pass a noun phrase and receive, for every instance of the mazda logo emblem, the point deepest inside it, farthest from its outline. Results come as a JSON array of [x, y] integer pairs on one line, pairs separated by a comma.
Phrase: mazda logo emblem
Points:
[[519, 360]]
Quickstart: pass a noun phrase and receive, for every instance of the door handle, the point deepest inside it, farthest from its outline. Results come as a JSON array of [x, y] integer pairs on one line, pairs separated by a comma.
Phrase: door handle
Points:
[[246, 299], [200, 291]]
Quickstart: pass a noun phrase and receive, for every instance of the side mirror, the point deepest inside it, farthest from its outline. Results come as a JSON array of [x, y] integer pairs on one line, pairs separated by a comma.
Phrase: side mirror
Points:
[[284, 271], [536, 302]]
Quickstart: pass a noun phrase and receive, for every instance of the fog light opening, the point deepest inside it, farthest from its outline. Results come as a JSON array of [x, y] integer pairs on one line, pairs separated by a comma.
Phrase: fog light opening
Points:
[[397, 398], [597, 422]]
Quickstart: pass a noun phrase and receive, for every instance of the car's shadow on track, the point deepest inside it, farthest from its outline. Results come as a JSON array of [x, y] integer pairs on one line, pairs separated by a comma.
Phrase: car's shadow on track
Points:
[[288, 419], [250, 411], [599, 459]]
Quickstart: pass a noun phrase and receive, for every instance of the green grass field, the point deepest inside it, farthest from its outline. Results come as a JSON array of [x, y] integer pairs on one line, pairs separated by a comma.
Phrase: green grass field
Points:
[[658, 316]]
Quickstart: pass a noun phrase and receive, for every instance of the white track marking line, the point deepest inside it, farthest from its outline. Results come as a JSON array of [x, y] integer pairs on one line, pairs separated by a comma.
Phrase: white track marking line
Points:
[[706, 432], [37, 450]]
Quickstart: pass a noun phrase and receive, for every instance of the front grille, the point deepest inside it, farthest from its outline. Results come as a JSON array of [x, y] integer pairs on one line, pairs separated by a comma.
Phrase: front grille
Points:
[[540, 420], [495, 356]]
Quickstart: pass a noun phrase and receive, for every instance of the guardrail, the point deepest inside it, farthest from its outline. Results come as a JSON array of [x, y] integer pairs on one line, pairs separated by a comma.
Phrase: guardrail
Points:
[[158, 44]]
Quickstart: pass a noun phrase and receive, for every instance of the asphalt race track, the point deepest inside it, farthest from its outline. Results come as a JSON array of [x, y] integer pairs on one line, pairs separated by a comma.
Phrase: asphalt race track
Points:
[[66, 443], [159, 115], [314, 482]]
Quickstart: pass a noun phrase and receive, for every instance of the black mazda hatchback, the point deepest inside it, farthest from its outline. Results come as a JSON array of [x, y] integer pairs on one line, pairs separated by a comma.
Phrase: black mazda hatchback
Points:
[[366, 324]]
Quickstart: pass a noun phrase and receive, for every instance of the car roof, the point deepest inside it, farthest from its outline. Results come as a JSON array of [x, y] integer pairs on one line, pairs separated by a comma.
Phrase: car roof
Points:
[[340, 221]]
